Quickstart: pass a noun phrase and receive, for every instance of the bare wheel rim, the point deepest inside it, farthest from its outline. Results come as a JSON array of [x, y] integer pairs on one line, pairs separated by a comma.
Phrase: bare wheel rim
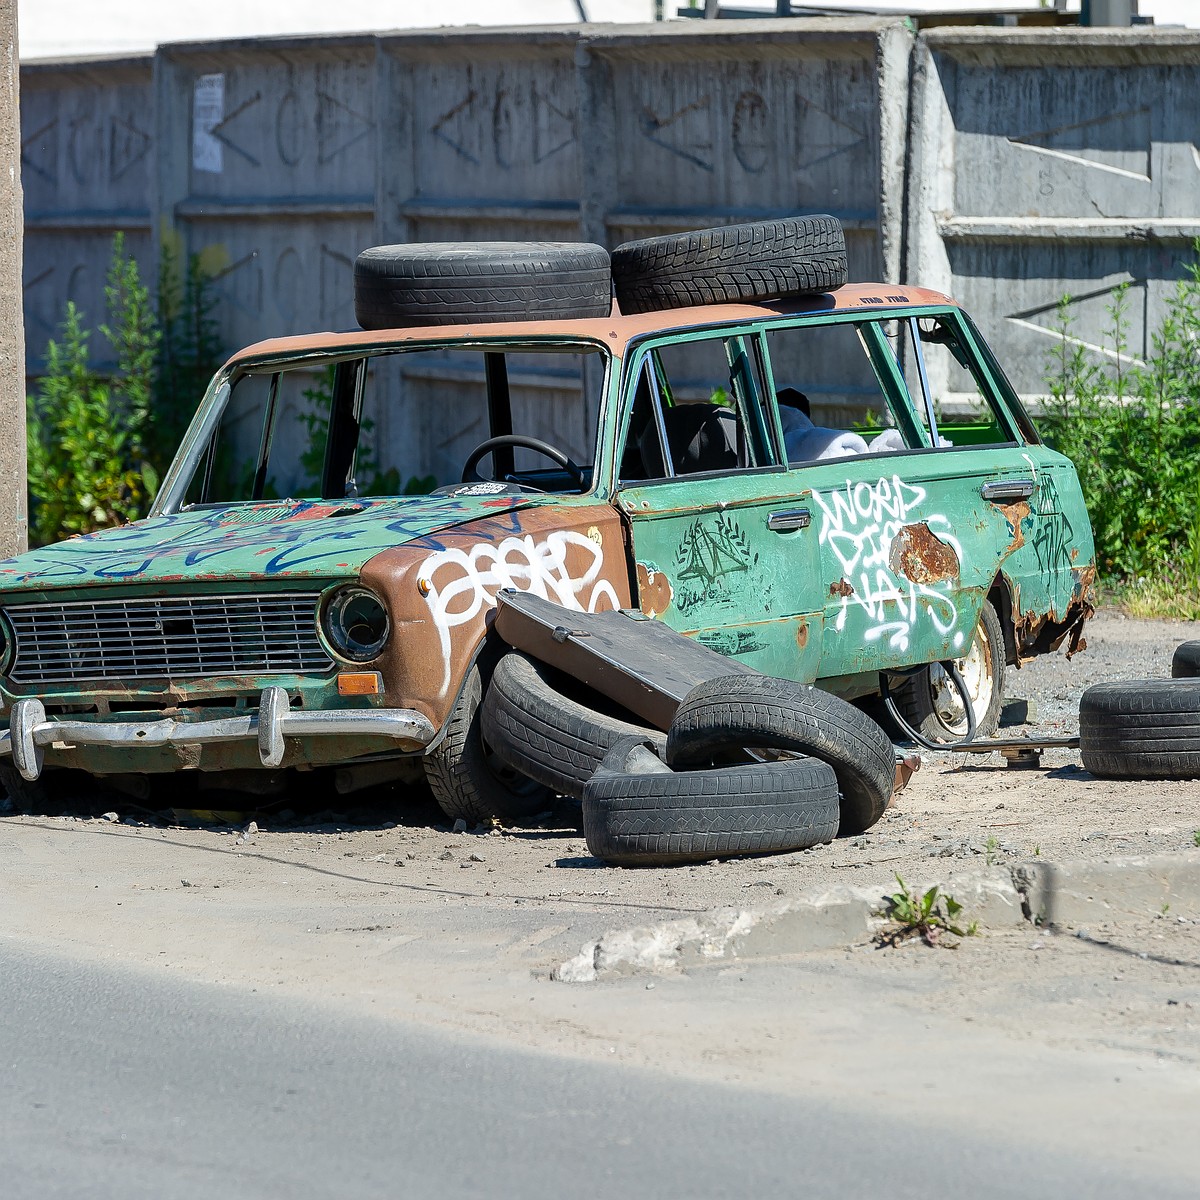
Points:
[[978, 670]]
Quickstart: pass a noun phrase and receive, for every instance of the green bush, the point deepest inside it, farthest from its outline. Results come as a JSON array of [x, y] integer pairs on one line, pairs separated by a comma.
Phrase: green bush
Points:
[[1132, 428], [99, 443]]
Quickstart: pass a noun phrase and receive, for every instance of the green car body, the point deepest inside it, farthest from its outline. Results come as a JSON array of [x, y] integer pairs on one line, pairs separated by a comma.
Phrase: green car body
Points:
[[231, 630]]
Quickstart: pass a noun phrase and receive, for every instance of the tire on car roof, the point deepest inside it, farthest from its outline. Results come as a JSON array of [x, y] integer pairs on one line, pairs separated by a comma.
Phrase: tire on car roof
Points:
[[761, 260], [1185, 664], [453, 283], [638, 812], [736, 712], [544, 734], [1141, 729]]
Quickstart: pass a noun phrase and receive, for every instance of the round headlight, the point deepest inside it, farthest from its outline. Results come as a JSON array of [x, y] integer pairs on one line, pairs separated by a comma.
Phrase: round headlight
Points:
[[356, 623]]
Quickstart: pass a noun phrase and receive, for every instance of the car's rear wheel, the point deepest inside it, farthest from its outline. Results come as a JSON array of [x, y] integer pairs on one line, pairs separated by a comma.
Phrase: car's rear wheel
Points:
[[468, 779], [930, 702]]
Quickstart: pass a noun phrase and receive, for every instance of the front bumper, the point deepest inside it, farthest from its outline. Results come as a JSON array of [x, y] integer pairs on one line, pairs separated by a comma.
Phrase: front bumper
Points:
[[30, 731]]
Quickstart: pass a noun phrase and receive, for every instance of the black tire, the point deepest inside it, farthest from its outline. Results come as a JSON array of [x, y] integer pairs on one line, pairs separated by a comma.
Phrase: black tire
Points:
[[740, 711], [761, 260], [544, 734], [453, 283], [634, 816], [930, 702], [1185, 664], [467, 779], [23, 795], [1143, 729]]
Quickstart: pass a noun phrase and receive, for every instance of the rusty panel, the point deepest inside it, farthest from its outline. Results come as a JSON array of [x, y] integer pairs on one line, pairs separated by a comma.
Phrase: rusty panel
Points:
[[441, 590]]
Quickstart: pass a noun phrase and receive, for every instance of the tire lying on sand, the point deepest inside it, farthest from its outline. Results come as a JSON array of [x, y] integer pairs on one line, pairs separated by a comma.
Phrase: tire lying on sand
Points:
[[464, 283], [1142, 729], [761, 260], [638, 812], [1186, 662], [736, 712], [551, 737]]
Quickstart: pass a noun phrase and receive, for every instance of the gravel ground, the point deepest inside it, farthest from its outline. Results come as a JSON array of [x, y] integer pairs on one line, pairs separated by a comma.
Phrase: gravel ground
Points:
[[958, 811]]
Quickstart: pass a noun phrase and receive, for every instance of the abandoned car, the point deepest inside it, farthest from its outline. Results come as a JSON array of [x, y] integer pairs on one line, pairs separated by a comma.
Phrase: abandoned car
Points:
[[827, 483]]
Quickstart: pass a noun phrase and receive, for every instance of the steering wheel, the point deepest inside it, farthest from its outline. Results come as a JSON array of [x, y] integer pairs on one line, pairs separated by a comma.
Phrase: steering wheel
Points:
[[471, 466]]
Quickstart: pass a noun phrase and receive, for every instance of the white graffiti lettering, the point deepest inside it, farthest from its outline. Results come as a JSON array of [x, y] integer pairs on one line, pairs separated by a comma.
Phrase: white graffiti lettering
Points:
[[860, 523], [462, 583]]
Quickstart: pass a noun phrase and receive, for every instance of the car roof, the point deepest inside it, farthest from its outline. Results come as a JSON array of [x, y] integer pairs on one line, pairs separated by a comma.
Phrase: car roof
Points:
[[617, 330]]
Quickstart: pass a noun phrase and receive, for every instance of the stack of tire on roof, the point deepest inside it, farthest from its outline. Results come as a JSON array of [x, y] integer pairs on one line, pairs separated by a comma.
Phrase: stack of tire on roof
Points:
[[750, 764], [1145, 728], [469, 283]]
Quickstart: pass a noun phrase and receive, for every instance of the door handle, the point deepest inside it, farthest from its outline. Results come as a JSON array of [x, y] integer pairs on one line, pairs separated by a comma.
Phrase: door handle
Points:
[[1008, 489], [788, 520]]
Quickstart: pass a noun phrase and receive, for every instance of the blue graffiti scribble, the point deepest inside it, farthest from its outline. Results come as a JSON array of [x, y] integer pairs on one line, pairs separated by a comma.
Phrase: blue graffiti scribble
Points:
[[303, 537]]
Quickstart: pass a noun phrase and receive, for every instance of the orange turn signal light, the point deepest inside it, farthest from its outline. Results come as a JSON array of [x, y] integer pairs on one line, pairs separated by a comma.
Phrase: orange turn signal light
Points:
[[360, 683]]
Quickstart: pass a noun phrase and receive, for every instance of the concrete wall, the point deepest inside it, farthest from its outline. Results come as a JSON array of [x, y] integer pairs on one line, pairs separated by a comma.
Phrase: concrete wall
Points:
[[13, 516], [278, 161], [1035, 162], [1055, 162]]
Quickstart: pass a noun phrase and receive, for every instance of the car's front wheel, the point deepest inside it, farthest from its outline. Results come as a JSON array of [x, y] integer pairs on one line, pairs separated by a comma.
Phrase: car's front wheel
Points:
[[930, 702], [468, 779]]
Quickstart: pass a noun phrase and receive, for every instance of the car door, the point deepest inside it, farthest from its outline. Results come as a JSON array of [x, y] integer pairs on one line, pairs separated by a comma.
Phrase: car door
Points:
[[914, 528], [723, 544]]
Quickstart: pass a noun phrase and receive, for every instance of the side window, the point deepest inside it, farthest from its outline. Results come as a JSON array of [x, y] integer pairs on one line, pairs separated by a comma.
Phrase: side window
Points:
[[966, 414], [843, 389], [699, 406], [269, 443], [907, 383]]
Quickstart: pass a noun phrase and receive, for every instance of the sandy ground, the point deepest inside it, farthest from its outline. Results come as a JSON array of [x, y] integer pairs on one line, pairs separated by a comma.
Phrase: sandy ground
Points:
[[1058, 1034]]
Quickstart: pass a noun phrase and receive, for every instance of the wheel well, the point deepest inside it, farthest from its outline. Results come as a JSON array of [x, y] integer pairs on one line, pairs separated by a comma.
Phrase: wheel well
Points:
[[1001, 600]]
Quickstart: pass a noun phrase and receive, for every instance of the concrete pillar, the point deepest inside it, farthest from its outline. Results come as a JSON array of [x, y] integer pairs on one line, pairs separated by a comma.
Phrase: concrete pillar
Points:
[[14, 522]]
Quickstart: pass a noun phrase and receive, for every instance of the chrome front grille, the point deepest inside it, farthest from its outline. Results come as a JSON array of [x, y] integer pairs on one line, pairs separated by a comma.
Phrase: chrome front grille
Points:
[[196, 636]]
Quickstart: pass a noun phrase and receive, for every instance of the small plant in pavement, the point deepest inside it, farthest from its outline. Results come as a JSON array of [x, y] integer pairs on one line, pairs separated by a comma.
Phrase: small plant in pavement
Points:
[[1196, 837], [991, 850], [929, 916]]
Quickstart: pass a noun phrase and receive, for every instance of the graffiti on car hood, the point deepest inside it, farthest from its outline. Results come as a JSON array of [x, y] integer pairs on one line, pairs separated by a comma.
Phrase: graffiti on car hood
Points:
[[287, 539]]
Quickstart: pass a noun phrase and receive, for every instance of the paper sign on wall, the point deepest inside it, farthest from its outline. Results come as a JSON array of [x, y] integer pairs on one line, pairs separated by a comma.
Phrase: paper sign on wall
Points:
[[208, 111]]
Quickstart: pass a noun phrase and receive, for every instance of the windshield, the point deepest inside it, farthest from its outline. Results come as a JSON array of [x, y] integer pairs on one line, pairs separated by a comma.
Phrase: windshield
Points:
[[400, 422]]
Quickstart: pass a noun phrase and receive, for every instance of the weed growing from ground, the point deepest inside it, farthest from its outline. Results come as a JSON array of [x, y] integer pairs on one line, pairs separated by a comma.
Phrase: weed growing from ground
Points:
[[929, 916]]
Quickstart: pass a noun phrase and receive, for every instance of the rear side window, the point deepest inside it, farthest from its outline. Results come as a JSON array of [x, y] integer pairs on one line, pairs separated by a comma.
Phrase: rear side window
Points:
[[883, 385]]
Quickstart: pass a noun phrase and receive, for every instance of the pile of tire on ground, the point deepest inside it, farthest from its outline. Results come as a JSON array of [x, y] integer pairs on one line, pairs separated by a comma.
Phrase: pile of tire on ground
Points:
[[1145, 728]]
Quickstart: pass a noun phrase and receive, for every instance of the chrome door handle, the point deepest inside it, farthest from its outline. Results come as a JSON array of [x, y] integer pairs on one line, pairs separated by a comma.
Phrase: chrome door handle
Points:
[[787, 520], [1008, 489]]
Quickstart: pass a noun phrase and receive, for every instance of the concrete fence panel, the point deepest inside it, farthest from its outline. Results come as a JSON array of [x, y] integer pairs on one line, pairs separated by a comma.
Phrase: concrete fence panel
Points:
[[1054, 163]]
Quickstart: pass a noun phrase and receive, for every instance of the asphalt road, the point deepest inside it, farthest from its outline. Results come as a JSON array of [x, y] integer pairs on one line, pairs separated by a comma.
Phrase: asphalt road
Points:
[[122, 1083]]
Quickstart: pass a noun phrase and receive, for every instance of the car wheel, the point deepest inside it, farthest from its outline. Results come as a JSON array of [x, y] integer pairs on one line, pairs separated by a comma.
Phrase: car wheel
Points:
[[1143, 729], [757, 261], [23, 795], [930, 702], [1186, 661], [547, 735], [468, 779], [741, 711], [638, 812], [448, 283]]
